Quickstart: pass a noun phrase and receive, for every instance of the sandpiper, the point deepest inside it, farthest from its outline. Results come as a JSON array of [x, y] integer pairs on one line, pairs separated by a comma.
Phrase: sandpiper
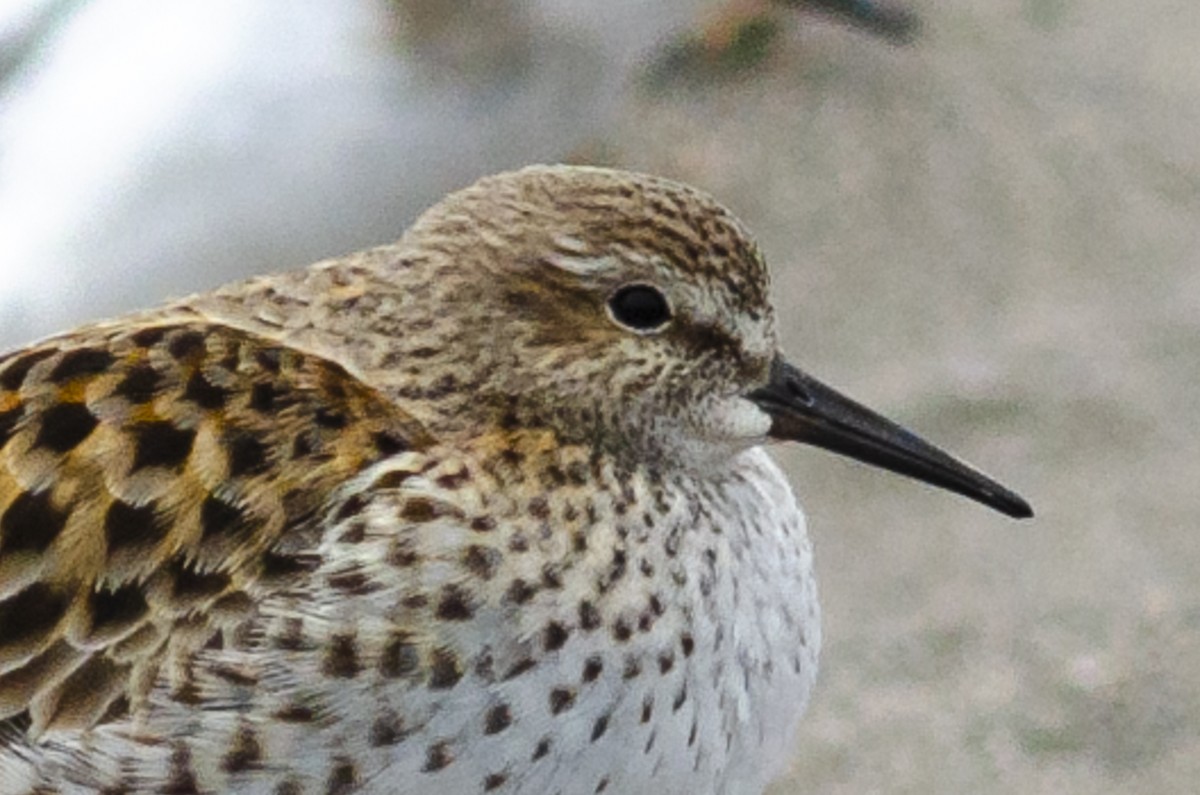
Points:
[[486, 510]]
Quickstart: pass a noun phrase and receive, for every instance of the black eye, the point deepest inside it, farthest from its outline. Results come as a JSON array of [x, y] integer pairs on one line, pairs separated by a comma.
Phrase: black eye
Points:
[[640, 307]]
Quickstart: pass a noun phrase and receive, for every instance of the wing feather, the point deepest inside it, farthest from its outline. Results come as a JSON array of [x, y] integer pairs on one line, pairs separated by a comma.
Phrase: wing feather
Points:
[[153, 478]]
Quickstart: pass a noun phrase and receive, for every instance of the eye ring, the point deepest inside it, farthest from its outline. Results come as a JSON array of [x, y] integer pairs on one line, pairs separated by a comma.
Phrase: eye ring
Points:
[[642, 308]]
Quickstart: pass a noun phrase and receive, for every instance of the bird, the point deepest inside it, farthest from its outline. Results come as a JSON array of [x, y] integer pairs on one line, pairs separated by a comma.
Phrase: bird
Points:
[[486, 510]]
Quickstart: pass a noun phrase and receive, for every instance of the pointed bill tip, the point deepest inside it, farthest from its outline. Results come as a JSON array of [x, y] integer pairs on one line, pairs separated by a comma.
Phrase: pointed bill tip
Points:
[[804, 410]]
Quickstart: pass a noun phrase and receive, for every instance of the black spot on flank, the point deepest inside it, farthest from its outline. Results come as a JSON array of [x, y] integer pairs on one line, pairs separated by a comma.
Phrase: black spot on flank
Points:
[[689, 645], [203, 393], [388, 729], [455, 605], [494, 781], [680, 698], [278, 566], [262, 397], [79, 363], [519, 668], [30, 524], [247, 455], [245, 752], [647, 708], [554, 637], [498, 719], [519, 592], [589, 616], [543, 748], [128, 526], [341, 657], [161, 444], [592, 668], [334, 420], [139, 385], [599, 727], [445, 670], [400, 657], [117, 608], [561, 699], [65, 426], [181, 778], [269, 359], [343, 778], [31, 613], [191, 584], [603, 785], [438, 757], [621, 631], [666, 662], [219, 518], [148, 336], [13, 376], [389, 444], [186, 344], [8, 422]]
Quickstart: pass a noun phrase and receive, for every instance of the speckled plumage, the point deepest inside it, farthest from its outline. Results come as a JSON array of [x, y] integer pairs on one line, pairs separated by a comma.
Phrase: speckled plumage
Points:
[[422, 519]]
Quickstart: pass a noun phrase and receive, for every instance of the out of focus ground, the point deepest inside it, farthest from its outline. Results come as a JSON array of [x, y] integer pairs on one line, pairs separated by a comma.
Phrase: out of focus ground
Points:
[[992, 235]]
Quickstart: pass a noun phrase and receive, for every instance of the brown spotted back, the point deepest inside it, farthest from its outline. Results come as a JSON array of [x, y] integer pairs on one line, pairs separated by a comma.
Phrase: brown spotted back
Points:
[[156, 479]]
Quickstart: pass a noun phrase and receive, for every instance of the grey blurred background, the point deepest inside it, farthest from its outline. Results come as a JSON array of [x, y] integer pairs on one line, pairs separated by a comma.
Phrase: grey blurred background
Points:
[[991, 233]]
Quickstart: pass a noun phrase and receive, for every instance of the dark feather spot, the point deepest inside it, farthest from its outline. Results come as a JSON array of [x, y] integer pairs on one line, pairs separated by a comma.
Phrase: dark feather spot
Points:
[[592, 668], [561, 699], [186, 344], [647, 708], [455, 605], [245, 752], [481, 561], [262, 397], [445, 670], [554, 636], [498, 719], [296, 713], [31, 613], [680, 698], [247, 455], [599, 727], [112, 610], [18, 367], [79, 363], [276, 566], [399, 657], [388, 729], [65, 426], [341, 657], [140, 384], [190, 584], [343, 778], [438, 757], [8, 421], [219, 518], [203, 393], [494, 781], [30, 524], [389, 444], [519, 668], [181, 780], [519, 592], [589, 616], [128, 526], [334, 420], [543, 748], [160, 443]]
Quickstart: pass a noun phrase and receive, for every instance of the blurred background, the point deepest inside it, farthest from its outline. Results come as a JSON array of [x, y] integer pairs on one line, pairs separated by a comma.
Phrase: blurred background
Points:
[[983, 219]]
